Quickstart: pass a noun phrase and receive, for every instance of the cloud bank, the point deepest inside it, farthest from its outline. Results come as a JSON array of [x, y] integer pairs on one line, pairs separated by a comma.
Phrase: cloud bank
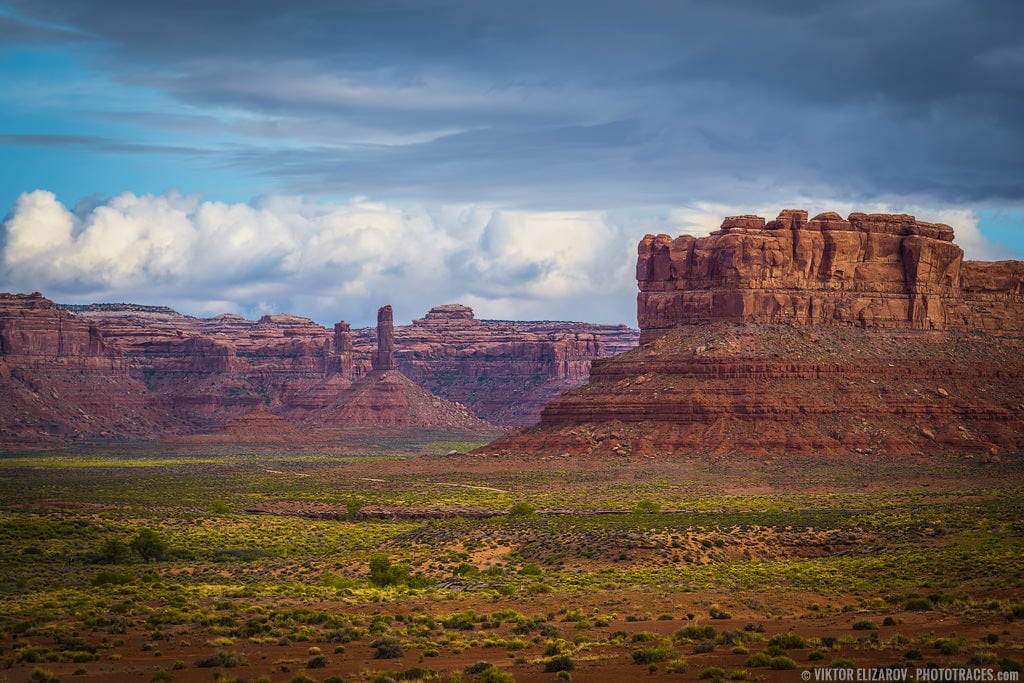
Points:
[[325, 261], [343, 260], [541, 105]]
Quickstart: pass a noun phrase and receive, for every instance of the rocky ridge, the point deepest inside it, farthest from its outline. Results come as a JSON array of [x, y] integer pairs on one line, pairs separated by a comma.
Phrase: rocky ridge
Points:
[[868, 335], [176, 374]]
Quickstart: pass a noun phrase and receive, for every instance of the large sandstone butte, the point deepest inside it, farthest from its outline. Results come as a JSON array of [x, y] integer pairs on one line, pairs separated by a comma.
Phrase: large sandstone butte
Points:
[[868, 335], [870, 270]]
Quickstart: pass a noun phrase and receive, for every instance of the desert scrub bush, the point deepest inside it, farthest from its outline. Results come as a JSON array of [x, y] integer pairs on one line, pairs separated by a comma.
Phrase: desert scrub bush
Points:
[[522, 509], [865, 625], [227, 660], [530, 569], [843, 663], [647, 506], [387, 648], [715, 673], [949, 646], [383, 573], [678, 666], [496, 675], [110, 577], [149, 545], [645, 637], [695, 632], [651, 655], [782, 663], [918, 605], [758, 659], [787, 641], [703, 647], [717, 613], [460, 620], [559, 663], [317, 662]]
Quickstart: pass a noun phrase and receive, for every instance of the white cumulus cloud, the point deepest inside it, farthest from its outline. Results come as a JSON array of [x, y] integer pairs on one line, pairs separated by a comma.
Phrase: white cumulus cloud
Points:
[[325, 261]]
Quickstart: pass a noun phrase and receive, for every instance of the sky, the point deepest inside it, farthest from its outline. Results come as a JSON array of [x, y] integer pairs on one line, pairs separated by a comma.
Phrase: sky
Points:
[[324, 157]]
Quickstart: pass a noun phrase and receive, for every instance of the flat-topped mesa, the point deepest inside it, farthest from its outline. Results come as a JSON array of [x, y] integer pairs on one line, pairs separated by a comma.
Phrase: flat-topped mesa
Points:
[[868, 270], [384, 357], [446, 313]]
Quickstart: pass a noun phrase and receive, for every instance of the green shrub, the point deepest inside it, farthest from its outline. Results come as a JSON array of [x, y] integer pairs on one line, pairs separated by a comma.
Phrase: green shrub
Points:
[[559, 663], [843, 663], [522, 509], [383, 573], [110, 577], [496, 675], [646, 506], [221, 658], [788, 641], [949, 646], [317, 662], [149, 545], [759, 659], [712, 672], [219, 507], [114, 551], [782, 663], [387, 648], [865, 626], [679, 666], [650, 655], [695, 632]]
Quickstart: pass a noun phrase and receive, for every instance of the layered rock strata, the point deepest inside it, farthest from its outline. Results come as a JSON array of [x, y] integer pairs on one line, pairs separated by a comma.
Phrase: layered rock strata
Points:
[[503, 371], [877, 270], [60, 381], [868, 335]]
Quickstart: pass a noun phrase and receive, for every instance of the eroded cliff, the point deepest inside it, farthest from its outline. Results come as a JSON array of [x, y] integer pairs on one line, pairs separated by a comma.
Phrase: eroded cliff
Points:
[[869, 334]]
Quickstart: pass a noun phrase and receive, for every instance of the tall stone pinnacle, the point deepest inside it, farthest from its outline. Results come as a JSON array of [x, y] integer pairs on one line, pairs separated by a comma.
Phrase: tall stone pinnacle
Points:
[[343, 348], [384, 358]]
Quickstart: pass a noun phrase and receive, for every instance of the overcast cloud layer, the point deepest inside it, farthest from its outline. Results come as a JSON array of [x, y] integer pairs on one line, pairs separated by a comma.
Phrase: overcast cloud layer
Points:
[[512, 152]]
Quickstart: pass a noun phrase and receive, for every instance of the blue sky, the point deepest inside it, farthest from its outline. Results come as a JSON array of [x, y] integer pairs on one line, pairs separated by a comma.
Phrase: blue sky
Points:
[[323, 158]]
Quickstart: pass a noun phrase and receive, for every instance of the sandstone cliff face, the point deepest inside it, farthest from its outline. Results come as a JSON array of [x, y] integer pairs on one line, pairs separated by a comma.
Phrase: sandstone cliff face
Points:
[[878, 270], [795, 336], [205, 371], [754, 389], [60, 381], [505, 372]]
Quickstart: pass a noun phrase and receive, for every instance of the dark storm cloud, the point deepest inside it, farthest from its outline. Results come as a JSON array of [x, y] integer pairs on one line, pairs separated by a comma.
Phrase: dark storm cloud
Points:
[[95, 143], [572, 103]]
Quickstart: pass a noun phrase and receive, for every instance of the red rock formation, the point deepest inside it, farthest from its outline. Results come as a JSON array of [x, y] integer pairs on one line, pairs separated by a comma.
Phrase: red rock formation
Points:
[[60, 381], [878, 270], [387, 397], [193, 375], [384, 357], [206, 371], [503, 371], [732, 365]]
